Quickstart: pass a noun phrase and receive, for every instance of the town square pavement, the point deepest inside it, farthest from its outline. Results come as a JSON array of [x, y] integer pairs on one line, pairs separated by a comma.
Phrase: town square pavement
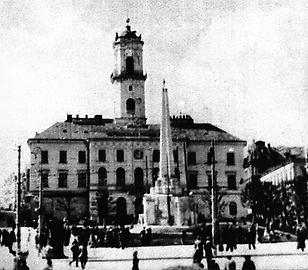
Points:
[[266, 256]]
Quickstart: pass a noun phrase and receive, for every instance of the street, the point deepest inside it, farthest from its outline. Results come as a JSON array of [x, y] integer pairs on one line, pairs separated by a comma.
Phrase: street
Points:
[[266, 256]]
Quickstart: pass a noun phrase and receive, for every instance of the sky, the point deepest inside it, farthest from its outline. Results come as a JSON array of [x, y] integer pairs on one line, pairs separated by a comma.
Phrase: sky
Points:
[[240, 65]]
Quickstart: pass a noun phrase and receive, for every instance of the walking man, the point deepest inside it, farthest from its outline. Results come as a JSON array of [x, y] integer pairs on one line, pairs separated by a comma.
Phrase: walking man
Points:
[[252, 236], [230, 264], [76, 251]]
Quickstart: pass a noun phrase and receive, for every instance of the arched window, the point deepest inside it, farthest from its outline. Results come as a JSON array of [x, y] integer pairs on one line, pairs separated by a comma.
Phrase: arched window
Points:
[[233, 208], [130, 65], [155, 175], [102, 177], [230, 158], [130, 105], [121, 207], [139, 180], [120, 177]]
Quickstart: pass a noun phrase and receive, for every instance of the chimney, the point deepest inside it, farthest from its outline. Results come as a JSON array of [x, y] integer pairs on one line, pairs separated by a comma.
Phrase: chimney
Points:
[[69, 118]]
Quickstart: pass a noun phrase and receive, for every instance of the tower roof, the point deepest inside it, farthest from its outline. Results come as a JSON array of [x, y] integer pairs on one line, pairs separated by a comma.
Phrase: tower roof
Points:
[[127, 33]]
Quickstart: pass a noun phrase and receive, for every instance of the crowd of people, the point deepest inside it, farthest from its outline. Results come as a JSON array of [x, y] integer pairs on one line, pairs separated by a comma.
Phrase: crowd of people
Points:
[[8, 238], [205, 250], [230, 234], [79, 238]]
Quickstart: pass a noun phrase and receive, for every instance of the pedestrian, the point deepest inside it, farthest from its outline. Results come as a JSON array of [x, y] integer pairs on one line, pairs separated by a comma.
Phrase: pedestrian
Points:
[[248, 263], [11, 240], [76, 251], [208, 251], [252, 236], [198, 244], [123, 237], [49, 264], [5, 238], [149, 236], [183, 237], [109, 237], [143, 237], [198, 256], [116, 237], [230, 264], [22, 264], [85, 235], [301, 237], [213, 265], [135, 261], [67, 234], [84, 257]]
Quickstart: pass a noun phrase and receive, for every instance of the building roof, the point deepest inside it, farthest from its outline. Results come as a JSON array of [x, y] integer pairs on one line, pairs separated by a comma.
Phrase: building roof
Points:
[[102, 128]]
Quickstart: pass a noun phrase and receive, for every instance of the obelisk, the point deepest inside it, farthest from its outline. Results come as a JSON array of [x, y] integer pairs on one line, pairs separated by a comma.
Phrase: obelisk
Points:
[[166, 179]]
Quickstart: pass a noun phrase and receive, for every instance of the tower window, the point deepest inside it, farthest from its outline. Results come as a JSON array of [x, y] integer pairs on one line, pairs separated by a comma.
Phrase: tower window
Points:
[[120, 155], [192, 180], [192, 158], [233, 208], [130, 88], [130, 65], [231, 181], [176, 156], [130, 105]]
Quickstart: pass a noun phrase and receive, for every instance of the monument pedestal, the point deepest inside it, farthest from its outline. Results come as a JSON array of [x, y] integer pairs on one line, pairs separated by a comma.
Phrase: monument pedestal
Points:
[[156, 204]]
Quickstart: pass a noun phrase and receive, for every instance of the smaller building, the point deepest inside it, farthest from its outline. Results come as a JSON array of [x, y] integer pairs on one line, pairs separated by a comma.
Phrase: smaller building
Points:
[[287, 186]]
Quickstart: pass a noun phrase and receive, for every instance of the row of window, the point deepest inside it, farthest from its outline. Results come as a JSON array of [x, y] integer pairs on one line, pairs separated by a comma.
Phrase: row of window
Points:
[[63, 157], [193, 181], [62, 180], [138, 154], [120, 179]]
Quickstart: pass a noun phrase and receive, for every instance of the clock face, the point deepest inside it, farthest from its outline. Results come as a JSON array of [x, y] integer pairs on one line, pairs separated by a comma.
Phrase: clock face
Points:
[[129, 52]]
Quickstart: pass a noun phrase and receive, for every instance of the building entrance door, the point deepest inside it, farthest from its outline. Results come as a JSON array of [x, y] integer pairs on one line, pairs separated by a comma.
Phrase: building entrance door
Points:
[[121, 211], [102, 203]]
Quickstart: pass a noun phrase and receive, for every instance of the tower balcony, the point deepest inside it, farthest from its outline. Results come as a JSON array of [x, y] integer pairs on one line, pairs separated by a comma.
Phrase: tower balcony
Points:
[[136, 75]]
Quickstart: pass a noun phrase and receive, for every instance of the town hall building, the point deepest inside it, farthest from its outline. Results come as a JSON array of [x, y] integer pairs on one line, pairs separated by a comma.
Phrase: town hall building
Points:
[[102, 168]]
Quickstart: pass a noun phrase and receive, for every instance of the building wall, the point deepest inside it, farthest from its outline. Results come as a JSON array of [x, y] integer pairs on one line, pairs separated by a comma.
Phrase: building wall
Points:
[[53, 167], [129, 165]]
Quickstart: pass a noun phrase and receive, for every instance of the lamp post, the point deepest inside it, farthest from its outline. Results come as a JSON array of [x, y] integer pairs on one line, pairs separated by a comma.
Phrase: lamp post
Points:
[[40, 208], [18, 203], [213, 194]]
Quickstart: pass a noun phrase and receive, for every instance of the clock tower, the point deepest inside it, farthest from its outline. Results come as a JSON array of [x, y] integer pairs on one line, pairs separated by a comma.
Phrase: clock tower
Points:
[[128, 76]]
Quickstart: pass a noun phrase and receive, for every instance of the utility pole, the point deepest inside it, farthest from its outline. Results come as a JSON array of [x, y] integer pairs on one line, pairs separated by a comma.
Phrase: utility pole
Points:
[[18, 201], [40, 196], [252, 186], [146, 174], [214, 195]]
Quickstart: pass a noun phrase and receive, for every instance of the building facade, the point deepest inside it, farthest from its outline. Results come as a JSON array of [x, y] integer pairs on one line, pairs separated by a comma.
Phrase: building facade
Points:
[[101, 168]]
